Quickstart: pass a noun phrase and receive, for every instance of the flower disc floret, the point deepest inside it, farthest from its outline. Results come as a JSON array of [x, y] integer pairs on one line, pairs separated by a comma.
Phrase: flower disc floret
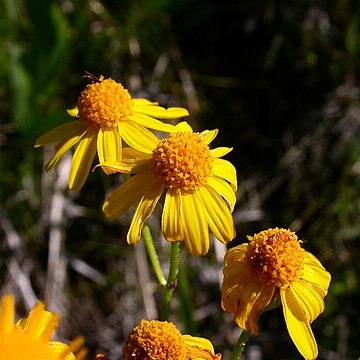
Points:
[[276, 256], [104, 103], [182, 161], [154, 339]]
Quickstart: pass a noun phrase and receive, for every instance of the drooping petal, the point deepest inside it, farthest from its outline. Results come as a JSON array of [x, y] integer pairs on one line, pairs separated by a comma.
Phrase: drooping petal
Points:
[[246, 300], [151, 123], [308, 299], [316, 274], [236, 253], [144, 210], [160, 112], [236, 276], [61, 149], [82, 159], [194, 224], [224, 189], [220, 151], [109, 147], [298, 327], [262, 301], [126, 195], [217, 214], [224, 169], [138, 137], [61, 133], [171, 216], [209, 135], [131, 153]]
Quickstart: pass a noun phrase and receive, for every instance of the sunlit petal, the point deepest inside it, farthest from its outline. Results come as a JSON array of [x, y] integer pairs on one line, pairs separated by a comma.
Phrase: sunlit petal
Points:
[[7, 313], [224, 169], [308, 299], [126, 195], [218, 215], [82, 160], [71, 129], [171, 216], [224, 189], [194, 223], [138, 137], [151, 123], [220, 151], [109, 147], [144, 210], [209, 135], [298, 326], [160, 112]]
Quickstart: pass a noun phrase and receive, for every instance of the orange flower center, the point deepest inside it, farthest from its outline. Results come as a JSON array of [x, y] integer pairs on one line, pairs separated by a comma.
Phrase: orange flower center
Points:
[[276, 256], [104, 103], [182, 161], [154, 339]]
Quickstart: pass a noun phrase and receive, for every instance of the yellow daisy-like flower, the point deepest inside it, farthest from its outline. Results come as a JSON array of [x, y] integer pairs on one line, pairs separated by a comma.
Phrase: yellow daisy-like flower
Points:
[[195, 182], [106, 115], [273, 263], [161, 340], [30, 338]]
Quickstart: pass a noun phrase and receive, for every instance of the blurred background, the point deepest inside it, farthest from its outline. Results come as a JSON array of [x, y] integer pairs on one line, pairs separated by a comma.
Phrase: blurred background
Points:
[[280, 82]]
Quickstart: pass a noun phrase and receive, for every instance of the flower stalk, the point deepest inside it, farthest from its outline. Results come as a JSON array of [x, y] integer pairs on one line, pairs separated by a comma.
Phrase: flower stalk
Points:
[[168, 289], [240, 345]]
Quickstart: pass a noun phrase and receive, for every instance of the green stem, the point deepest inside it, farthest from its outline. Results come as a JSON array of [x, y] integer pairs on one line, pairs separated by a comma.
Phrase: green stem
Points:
[[168, 289], [240, 345], [148, 240]]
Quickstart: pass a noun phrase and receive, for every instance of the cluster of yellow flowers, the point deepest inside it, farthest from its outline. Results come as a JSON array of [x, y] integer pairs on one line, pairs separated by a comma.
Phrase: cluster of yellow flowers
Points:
[[199, 189]]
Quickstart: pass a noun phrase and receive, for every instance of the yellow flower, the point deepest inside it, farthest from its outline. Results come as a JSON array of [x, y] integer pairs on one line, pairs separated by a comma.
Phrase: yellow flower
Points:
[[30, 338], [195, 181], [161, 340], [272, 264], [106, 115]]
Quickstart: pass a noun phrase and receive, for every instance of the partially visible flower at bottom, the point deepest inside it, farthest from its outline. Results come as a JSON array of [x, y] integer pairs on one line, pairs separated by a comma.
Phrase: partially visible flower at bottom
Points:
[[272, 264], [161, 340], [30, 338]]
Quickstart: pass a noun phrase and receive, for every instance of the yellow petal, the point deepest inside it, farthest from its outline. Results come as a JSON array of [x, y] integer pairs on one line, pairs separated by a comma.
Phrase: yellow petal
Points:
[[171, 217], [151, 123], [61, 133], [298, 326], [82, 160], [246, 300], [194, 224], [224, 189], [141, 102], [144, 210], [308, 299], [126, 195], [209, 135], [220, 152], [109, 147], [160, 112], [131, 153], [218, 215], [198, 342], [237, 253], [262, 301], [316, 274], [62, 148], [39, 320], [184, 127], [73, 112], [138, 137], [7, 313], [60, 351], [224, 169]]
